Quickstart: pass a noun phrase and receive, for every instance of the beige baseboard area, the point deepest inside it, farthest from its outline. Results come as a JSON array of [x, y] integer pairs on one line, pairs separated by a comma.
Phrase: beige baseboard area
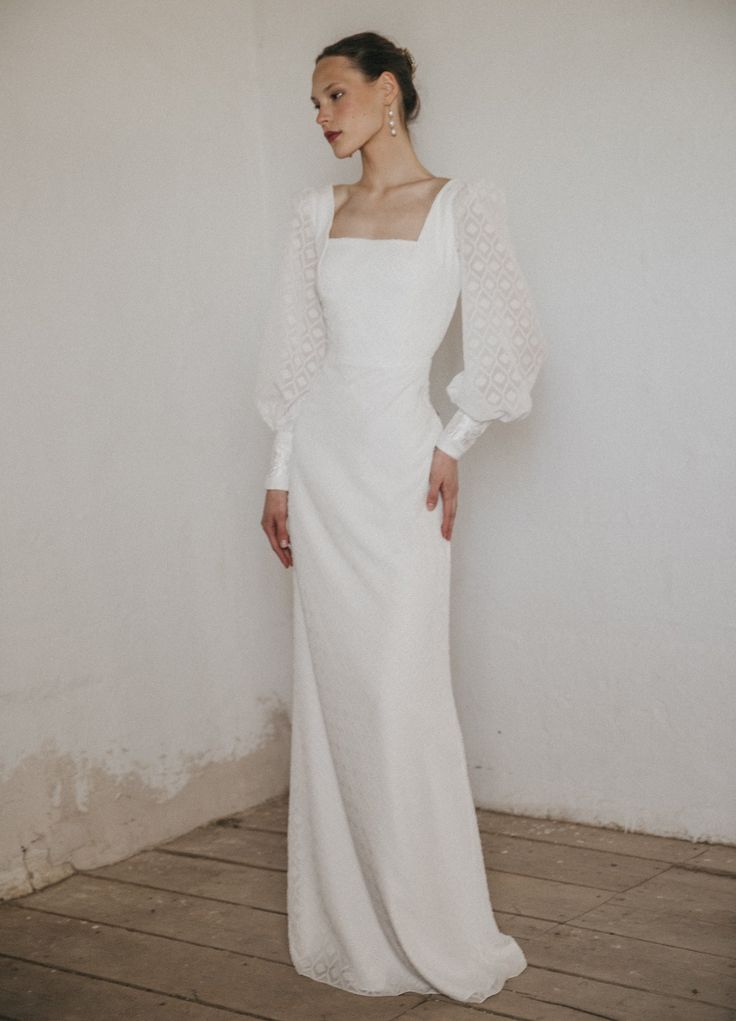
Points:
[[45, 835]]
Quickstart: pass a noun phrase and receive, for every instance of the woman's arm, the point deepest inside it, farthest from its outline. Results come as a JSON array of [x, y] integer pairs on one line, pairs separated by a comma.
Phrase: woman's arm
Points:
[[503, 344], [295, 335], [293, 348]]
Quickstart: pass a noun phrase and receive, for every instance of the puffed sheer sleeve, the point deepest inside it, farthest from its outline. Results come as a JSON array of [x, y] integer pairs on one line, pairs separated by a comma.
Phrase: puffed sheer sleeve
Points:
[[503, 343], [295, 335]]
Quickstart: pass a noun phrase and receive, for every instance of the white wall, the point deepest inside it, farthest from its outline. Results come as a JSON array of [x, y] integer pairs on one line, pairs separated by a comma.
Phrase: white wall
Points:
[[141, 693], [593, 554], [146, 628]]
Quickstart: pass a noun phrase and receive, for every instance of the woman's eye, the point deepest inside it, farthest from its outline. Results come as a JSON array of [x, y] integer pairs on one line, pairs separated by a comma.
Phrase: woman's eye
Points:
[[333, 95]]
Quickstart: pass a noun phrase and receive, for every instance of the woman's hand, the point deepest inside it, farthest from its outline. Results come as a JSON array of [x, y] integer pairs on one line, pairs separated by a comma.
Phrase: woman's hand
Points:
[[443, 478], [273, 523]]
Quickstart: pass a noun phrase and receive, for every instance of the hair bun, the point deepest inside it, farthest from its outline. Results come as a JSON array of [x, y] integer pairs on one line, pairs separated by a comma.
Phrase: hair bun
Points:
[[409, 59]]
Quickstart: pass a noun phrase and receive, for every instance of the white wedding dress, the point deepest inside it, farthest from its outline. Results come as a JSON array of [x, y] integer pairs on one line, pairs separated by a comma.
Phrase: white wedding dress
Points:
[[387, 888]]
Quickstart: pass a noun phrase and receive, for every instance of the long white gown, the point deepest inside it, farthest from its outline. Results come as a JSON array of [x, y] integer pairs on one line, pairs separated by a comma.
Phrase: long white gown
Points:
[[387, 889]]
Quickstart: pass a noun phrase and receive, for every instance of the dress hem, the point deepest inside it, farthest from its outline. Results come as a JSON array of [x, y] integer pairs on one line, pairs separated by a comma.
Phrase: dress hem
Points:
[[516, 965]]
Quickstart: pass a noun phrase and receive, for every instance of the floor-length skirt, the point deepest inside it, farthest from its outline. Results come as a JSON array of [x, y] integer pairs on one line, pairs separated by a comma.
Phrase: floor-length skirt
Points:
[[387, 889]]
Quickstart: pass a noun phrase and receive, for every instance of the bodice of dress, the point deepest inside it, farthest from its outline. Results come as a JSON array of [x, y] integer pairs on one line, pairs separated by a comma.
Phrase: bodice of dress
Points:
[[387, 303]]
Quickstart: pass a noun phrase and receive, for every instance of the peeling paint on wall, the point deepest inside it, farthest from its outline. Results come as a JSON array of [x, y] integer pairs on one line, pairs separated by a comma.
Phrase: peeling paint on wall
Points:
[[60, 815]]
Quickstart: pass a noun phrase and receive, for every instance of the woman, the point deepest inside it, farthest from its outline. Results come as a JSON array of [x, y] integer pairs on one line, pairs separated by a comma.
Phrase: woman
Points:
[[386, 884]]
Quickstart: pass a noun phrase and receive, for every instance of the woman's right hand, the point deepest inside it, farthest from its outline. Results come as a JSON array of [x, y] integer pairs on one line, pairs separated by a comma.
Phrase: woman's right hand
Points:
[[273, 522]]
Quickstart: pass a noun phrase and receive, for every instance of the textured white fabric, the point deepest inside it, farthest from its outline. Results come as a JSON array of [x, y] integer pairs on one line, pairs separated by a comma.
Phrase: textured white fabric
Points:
[[460, 434], [278, 471], [386, 885], [503, 344], [295, 334]]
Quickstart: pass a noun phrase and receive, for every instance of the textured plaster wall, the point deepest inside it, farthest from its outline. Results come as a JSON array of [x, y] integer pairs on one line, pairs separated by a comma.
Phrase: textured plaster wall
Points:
[[140, 692], [594, 549], [145, 644]]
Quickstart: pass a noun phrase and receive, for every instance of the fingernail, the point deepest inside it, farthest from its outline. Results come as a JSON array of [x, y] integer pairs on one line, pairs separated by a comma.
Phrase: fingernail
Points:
[[283, 543]]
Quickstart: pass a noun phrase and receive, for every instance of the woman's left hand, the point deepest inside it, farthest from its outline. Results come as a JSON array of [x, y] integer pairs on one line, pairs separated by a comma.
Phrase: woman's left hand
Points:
[[443, 478]]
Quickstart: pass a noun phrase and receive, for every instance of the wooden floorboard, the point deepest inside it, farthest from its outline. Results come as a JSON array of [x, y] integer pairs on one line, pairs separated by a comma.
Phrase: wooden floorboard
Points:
[[615, 925], [33, 991]]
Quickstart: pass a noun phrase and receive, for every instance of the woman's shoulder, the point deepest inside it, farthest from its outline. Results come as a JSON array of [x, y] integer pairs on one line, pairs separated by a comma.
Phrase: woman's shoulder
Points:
[[478, 198], [481, 185], [305, 195], [473, 182], [311, 209], [309, 205], [469, 195]]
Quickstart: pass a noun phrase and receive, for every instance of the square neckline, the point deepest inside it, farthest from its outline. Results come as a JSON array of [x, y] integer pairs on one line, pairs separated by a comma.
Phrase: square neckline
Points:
[[405, 241]]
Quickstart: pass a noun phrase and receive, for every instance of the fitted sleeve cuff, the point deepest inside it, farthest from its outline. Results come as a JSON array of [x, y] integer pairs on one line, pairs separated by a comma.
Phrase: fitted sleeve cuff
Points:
[[278, 470], [460, 434]]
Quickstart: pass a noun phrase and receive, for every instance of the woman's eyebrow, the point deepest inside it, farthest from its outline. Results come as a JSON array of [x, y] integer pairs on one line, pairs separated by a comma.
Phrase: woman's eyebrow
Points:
[[325, 89]]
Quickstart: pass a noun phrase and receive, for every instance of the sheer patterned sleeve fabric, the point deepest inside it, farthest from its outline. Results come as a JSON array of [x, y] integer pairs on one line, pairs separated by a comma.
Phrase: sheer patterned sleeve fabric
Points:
[[295, 335], [503, 343]]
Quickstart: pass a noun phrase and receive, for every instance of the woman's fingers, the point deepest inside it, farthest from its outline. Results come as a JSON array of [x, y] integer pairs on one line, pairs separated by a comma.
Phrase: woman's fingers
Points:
[[449, 510], [271, 530], [434, 489], [273, 522], [443, 479], [280, 543], [282, 533]]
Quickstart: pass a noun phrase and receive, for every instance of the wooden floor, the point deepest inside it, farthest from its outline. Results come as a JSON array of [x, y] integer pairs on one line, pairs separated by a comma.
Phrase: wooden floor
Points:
[[614, 925]]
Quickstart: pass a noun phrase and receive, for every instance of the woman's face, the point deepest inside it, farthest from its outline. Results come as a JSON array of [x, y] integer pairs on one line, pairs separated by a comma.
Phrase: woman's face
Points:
[[350, 110]]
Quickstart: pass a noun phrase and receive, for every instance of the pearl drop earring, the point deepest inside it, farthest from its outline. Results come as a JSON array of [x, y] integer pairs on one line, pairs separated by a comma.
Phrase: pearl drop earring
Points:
[[391, 121]]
